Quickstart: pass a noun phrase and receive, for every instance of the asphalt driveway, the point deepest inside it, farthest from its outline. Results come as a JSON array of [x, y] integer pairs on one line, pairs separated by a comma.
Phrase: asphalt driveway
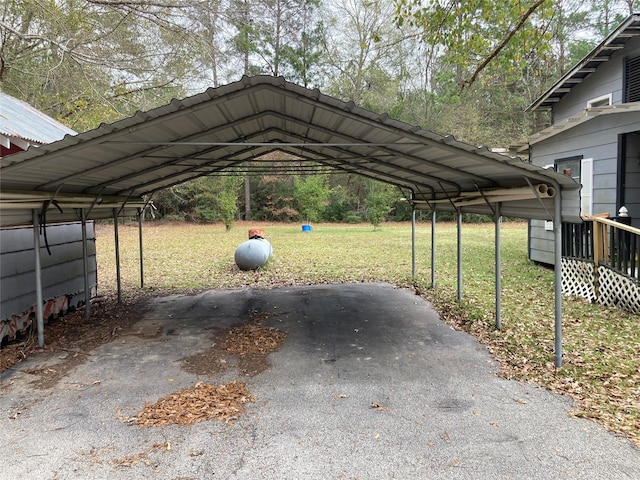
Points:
[[368, 384]]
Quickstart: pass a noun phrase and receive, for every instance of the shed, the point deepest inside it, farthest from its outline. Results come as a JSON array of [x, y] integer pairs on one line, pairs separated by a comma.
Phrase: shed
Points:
[[22, 126], [62, 268]]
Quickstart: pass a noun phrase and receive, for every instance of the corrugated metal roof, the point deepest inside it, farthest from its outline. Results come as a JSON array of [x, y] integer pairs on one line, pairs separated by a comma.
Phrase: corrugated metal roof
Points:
[[628, 29], [20, 120], [231, 125]]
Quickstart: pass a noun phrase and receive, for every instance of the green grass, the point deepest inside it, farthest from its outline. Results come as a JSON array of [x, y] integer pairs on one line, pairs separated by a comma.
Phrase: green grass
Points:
[[601, 365]]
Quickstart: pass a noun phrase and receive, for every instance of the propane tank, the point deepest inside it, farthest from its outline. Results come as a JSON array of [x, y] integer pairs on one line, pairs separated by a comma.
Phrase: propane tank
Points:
[[253, 253]]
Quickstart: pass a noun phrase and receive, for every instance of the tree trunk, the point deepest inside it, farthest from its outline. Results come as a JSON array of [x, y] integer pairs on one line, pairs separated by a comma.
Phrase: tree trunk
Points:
[[247, 199]]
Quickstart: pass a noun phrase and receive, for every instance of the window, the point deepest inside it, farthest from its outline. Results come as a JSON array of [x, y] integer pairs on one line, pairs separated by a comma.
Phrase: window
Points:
[[570, 166], [632, 79], [603, 101]]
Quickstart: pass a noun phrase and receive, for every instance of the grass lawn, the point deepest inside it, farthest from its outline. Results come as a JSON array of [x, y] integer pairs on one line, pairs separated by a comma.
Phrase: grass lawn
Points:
[[601, 365]]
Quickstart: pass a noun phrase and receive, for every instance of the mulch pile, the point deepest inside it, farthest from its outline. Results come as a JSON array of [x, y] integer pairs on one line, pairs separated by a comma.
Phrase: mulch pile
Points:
[[253, 338], [199, 403]]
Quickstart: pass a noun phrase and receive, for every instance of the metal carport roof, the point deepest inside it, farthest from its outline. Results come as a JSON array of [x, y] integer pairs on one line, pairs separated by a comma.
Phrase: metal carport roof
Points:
[[227, 127]]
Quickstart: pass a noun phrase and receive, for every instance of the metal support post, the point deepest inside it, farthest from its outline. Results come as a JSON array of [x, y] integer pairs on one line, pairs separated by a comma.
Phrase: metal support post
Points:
[[38, 273], [141, 250], [459, 236], [117, 249], [557, 230], [498, 242], [413, 243], [433, 249], [85, 267]]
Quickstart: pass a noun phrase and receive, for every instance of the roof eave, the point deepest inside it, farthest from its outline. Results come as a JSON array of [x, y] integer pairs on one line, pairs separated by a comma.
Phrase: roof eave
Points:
[[581, 71]]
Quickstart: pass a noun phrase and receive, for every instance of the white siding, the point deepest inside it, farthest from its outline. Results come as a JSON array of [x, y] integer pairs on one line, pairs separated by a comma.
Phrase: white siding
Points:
[[596, 139]]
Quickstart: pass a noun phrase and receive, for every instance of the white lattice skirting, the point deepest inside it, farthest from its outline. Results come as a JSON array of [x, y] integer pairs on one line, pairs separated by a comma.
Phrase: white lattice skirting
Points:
[[618, 290], [579, 278]]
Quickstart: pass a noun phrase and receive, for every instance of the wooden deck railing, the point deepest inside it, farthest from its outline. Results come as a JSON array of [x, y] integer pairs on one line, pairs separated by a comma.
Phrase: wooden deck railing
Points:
[[605, 242], [617, 247], [601, 262]]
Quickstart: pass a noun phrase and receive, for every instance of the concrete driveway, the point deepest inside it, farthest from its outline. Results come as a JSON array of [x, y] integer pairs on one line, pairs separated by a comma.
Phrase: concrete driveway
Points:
[[369, 384]]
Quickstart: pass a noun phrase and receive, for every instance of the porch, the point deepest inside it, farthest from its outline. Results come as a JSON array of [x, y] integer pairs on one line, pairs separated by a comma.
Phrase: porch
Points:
[[601, 261]]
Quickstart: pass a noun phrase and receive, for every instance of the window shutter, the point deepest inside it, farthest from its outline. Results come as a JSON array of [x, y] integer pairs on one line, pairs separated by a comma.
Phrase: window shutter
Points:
[[632, 80], [586, 179]]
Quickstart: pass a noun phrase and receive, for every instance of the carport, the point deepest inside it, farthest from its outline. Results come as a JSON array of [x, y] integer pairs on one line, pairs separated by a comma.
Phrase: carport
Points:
[[116, 168]]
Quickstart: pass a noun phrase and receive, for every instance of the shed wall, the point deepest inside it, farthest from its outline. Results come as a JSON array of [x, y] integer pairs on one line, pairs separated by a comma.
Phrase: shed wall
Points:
[[62, 271]]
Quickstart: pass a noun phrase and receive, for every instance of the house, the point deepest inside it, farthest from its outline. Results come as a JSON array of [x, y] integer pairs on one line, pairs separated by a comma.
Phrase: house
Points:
[[595, 132], [61, 245]]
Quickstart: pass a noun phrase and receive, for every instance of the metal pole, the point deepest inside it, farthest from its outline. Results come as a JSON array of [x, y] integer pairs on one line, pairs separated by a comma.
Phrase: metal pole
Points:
[[459, 233], [498, 242], [413, 242], [117, 248], [557, 230], [141, 251], [85, 267], [38, 273], [433, 249]]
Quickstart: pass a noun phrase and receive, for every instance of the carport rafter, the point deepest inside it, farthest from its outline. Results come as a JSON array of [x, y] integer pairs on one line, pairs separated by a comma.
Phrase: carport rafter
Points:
[[142, 154], [375, 174], [150, 190], [399, 154], [335, 161], [357, 163], [155, 168], [350, 142]]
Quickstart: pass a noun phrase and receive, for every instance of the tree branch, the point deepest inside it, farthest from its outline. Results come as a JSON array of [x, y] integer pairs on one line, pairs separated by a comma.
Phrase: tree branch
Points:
[[135, 3], [502, 44]]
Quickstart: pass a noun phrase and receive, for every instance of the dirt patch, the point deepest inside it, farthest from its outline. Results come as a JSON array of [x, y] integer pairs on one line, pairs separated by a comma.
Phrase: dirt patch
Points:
[[246, 347]]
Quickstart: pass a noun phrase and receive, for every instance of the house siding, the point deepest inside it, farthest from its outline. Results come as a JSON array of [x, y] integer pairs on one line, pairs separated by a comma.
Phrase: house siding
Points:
[[632, 179], [596, 139], [608, 78], [541, 246]]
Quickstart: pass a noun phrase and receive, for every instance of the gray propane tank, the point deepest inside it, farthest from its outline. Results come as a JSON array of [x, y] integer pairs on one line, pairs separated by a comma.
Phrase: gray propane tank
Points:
[[253, 253]]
